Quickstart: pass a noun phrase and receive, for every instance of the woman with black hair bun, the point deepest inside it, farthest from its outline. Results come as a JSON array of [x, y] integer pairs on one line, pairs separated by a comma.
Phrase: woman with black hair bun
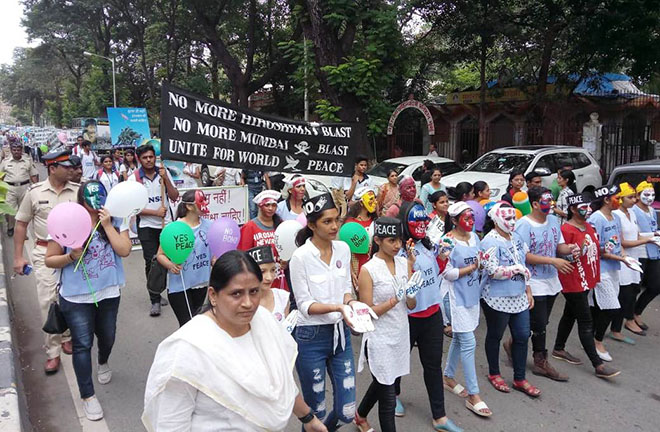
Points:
[[187, 300], [229, 368], [425, 320], [464, 191], [566, 181]]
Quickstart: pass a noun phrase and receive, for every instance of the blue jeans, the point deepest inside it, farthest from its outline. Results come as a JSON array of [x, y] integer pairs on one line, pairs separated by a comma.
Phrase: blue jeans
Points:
[[463, 346], [253, 191], [85, 320], [315, 357], [519, 325]]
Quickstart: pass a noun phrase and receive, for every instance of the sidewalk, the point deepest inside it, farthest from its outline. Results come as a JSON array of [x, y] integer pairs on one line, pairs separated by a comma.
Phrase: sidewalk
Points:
[[10, 413]]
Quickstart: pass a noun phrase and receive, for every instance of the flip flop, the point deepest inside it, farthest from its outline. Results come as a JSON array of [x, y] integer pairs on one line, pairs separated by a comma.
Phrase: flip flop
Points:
[[457, 389], [477, 407], [626, 339]]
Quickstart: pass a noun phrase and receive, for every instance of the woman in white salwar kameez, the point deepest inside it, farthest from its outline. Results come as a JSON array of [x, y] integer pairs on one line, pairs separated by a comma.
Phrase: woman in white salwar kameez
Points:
[[383, 283], [230, 368]]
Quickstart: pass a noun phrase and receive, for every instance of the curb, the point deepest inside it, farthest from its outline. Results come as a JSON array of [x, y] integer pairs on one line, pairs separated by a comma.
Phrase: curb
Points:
[[10, 415]]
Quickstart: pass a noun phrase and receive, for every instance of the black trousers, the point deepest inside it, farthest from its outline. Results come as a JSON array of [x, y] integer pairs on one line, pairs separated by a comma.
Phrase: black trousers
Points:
[[427, 333], [602, 319], [149, 240], [651, 283], [539, 316], [385, 395], [576, 308], [196, 298], [627, 296]]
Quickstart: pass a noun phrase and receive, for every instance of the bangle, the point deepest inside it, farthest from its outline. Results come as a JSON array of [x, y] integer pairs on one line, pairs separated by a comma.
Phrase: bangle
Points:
[[70, 257], [348, 303], [307, 418]]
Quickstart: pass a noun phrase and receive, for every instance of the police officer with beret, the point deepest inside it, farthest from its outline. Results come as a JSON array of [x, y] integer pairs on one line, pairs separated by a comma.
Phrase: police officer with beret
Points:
[[39, 200], [19, 173]]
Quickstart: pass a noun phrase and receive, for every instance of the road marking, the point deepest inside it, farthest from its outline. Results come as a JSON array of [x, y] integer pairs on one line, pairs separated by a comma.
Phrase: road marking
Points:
[[87, 426]]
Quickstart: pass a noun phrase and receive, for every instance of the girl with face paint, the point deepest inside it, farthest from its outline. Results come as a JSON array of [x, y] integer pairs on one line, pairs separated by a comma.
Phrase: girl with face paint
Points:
[[293, 194], [429, 188], [425, 320], [648, 227], [186, 300], [408, 193], [506, 298], [544, 243], [388, 194], [604, 299], [576, 286], [462, 279], [363, 211], [634, 246]]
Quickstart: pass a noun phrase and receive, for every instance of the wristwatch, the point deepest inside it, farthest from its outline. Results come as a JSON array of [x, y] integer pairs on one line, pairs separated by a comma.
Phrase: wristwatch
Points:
[[308, 418]]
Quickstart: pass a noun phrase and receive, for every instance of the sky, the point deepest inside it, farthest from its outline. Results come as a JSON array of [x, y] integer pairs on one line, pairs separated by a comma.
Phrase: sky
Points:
[[12, 35]]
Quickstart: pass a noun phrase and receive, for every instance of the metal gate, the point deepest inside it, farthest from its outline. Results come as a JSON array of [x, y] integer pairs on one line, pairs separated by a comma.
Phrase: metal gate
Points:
[[625, 143]]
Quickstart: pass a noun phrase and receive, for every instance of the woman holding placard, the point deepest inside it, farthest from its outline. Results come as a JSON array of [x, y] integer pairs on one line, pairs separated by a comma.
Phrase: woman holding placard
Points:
[[89, 297], [187, 281]]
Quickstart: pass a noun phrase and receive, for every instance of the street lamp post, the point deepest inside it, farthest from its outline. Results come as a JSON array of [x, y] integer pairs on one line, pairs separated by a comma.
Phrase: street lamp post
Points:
[[112, 60]]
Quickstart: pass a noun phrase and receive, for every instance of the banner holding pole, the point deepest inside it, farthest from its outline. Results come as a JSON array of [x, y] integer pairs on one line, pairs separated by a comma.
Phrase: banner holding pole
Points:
[[198, 129]]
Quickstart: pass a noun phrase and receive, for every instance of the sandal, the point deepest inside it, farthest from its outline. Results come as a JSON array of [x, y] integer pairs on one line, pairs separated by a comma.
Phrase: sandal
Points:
[[478, 407], [359, 421], [525, 387], [498, 382], [457, 389]]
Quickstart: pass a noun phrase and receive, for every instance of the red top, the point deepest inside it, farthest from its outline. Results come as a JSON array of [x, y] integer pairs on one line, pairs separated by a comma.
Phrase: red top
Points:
[[586, 270], [254, 234]]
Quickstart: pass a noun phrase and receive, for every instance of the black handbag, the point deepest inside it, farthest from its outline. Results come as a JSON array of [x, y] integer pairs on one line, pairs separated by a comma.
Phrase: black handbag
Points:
[[55, 322], [157, 279]]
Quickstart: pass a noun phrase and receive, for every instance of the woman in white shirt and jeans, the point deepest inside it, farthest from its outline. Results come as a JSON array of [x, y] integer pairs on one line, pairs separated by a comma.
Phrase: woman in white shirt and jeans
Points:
[[321, 283]]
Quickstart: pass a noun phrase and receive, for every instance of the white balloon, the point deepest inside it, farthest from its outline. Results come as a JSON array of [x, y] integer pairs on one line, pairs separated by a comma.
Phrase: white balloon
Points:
[[127, 199], [285, 238]]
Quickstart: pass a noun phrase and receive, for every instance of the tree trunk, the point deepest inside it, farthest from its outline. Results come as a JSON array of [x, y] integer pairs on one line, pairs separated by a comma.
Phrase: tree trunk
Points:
[[483, 145]]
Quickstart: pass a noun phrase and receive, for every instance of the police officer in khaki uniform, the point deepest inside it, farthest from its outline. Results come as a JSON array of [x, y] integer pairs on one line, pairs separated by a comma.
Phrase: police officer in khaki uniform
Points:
[[35, 207], [19, 172]]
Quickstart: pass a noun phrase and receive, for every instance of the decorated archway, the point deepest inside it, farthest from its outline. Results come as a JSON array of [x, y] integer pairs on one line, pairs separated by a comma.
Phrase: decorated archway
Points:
[[410, 138]]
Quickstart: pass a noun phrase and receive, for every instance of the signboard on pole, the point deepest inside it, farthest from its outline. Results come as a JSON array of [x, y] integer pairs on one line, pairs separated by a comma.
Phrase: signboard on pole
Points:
[[128, 126], [198, 129]]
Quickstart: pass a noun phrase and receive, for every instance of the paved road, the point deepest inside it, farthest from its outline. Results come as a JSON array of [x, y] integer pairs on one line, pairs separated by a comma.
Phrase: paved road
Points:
[[586, 403]]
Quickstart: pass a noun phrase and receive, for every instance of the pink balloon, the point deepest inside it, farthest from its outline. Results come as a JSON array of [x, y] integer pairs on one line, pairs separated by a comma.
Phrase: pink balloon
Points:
[[223, 236], [302, 219], [69, 224]]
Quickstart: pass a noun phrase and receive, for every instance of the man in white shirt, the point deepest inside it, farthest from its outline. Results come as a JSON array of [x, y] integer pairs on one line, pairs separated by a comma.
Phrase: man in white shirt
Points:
[[432, 150], [156, 214], [90, 161]]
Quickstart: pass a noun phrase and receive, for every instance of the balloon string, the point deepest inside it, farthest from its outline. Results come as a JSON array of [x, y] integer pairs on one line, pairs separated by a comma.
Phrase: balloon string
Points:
[[89, 284], [75, 269], [185, 294]]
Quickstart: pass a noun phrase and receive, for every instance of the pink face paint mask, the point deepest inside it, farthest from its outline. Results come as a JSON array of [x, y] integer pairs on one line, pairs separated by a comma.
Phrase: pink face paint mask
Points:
[[505, 219]]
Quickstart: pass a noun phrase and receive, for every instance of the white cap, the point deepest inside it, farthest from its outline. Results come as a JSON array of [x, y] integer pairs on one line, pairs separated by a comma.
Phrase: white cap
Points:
[[266, 197]]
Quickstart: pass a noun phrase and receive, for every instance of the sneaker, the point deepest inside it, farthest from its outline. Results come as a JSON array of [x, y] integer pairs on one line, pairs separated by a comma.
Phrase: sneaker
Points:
[[155, 309], [604, 371], [104, 373], [92, 408], [566, 356], [163, 301], [399, 410], [604, 356]]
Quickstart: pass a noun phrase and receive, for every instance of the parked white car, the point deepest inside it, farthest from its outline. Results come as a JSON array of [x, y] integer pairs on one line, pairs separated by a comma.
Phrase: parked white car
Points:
[[411, 166], [494, 167]]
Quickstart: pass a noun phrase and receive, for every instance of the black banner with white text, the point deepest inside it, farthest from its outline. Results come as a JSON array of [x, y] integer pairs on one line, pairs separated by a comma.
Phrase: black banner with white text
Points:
[[198, 129]]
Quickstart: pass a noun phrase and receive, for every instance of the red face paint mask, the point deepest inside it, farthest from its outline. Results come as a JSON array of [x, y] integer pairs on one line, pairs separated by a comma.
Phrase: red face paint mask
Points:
[[201, 202], [545, 203], [417, 222], [466, 220]]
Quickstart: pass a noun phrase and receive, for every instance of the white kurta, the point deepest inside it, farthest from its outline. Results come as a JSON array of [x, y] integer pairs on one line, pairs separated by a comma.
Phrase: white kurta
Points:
[[280, 302], [629, 232], [388, 346], [202, 379]]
